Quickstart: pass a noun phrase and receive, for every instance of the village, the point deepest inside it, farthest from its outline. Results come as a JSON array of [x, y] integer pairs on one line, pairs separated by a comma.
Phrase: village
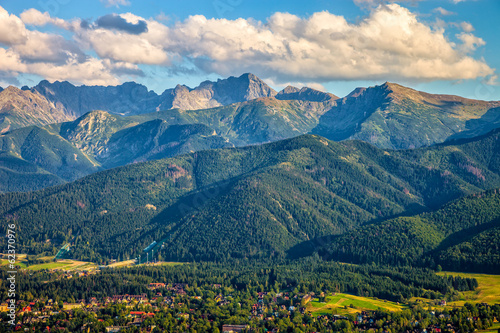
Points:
[[217, 310]]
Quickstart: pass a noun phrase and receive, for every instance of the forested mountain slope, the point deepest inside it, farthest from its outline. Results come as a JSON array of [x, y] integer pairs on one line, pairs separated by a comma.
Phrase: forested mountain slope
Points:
[[109, 140], [247, 202], [463, 235]]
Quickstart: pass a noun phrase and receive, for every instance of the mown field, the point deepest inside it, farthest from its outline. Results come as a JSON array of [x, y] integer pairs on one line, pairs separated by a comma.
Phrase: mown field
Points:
[[346, 303], [66, 264], [487, 292], [493, 329], [72, 265]]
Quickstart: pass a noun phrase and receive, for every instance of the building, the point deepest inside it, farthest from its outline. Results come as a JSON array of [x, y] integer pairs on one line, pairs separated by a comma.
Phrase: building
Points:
[[234, 328]]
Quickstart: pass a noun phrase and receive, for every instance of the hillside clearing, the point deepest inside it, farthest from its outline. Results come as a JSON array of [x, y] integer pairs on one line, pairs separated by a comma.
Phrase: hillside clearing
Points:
[[341, 304], [488, 290]]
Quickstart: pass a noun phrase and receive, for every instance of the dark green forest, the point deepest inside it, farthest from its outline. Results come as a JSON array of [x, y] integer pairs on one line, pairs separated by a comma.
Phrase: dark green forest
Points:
[[461, 235], [305, 275], [263, 201]]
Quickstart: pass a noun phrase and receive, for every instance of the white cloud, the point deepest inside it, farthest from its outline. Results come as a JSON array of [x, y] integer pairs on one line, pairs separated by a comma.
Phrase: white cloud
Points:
[[443, 11], [374, 3], [52, 56], [44, 47], [492, 80], [389, 44], [10, 62], [37, 18], [126, 47], [116, 3], [12, 29], [470, 42], [466, 26], [457, 1], [91, 72]]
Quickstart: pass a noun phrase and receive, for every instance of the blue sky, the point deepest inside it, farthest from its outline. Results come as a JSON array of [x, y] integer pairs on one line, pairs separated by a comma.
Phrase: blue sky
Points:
[[447, 46]]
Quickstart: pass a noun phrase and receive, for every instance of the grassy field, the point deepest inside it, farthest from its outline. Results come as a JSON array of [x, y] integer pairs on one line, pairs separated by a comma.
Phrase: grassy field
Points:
[[66, 264], [340, 304], [487, 292], [492, 329], [122, 263], [73, 265], [20, 261]]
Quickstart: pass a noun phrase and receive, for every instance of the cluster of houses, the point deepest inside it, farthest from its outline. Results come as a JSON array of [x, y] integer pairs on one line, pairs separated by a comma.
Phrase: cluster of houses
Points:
[[175, 288], [73, 274], [267, 307]]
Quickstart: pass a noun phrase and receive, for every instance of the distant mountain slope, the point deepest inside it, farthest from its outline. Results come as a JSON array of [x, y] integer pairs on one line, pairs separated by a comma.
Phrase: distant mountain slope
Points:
[[131, 98], [47, 151], [247, 202], [213, 94], [259, 120], [155, 139], [48, 103], [463, 235], [388, 116], [17, 174], [111, 140], [304, 94], [393, 116], [98, 144], [21, 108]]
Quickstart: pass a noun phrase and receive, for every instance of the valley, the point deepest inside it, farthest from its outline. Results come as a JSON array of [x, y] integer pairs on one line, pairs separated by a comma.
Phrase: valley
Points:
[[238, 166], [249, 218]]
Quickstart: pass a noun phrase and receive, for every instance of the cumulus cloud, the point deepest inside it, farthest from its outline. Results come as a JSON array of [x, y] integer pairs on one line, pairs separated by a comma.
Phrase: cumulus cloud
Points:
[[44, 47], [113, 21], [10, 62], [36, 18], [491, 80], [124, 47], [390, 43], [470, 42], [125, 44], [50, 55], [12, 29], [91, 72]]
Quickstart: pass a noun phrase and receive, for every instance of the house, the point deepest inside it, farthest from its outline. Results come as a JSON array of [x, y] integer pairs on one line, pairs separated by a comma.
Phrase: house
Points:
[[234, 328], [154, 286], [26, 309], [184, 315], [137, 313], [137, 322]]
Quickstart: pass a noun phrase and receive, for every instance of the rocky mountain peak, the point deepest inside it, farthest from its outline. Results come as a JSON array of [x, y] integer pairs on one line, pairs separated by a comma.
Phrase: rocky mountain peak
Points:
[[289, 90], [304, 94]]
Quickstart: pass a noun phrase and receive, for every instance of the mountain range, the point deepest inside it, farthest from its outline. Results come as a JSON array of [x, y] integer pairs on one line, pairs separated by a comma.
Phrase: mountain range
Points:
[[397, 117], [99, 140], [257, 201], [57, 132], [48, 103], [233, 169]]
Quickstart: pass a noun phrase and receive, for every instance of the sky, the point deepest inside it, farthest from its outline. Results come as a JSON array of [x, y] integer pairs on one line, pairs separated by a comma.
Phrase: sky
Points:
[[438, 46]]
